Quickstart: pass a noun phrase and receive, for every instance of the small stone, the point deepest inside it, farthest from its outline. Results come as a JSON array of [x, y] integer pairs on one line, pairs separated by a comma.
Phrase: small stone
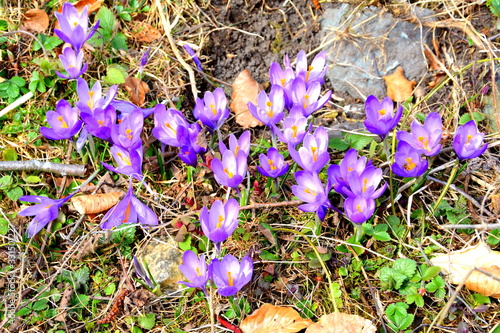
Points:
[[163, 259]]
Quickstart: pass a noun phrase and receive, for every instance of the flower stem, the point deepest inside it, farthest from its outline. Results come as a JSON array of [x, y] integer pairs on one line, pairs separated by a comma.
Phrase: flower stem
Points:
[[390, 157], [447, 186], [358, 232], [211, 309]]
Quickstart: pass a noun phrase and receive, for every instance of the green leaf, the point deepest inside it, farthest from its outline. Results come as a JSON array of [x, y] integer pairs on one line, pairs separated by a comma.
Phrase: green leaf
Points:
[[115, 75], [110, 289], [147, 321], [119, 42], [382, 236], [494, 7], [40, 305], [81, 276], [186, 245], [49, 42], [124, 235], [405, 266], [430, 272], [15, 193], [4, 226], [436, 283], [480, 299], [477, 116], [415, 298], [81, 300], [357, 141], [32, 179], [106, 18], [338, 144], [18, 81], [266, 255], [368, 229], [24, 311], [3, 25], [13, 90], [136, 329], [5, 182]]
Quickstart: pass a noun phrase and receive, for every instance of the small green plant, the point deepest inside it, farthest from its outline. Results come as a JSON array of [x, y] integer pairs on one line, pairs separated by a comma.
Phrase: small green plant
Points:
[[9, 186], [106, 34], [379, 232], [12, 88], [134, 6], [239, 307], [399, 318], [494, 6]]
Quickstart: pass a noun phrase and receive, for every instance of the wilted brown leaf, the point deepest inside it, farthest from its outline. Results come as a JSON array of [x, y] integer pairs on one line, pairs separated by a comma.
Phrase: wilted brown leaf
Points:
[[137, 90], [36, 20], [274, 319], [145, 33], [433, 60], [495, 203], [95, 203], [458, 264], [245, 89], [399, 88], [342, 323], [92, 5]]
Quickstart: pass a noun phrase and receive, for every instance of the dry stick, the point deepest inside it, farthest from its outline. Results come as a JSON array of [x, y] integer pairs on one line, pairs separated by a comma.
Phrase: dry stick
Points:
[[272, 204], [167, 27], [45, 55], [36, 165], [21, 100]]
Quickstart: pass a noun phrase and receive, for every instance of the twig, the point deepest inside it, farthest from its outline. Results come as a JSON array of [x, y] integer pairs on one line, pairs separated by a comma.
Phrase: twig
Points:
[[491, 226], [45, 166], [16, 103], [272, 204], [32, 36], [167, 27]]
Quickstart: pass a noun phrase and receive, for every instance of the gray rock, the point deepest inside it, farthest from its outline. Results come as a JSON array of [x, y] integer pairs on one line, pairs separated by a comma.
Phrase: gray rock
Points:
[[367, 44], [163, 259]]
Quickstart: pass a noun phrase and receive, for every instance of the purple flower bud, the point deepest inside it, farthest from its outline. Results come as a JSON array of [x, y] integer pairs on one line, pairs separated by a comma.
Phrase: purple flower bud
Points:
[[72, 62], [308, 97], [128, 210], [46, 211], [195, 270], [89, 100], [313, 155], [380, 116], [64, 122], [269, 109], [273, 164], [74, 26], [311, 190], [237, 146], [338, 175], [468, 142], [220, 222], [193, 56], [230, 275], [365, 184], [211, 110], [409, 162], [145, 57], [142, 273], [294, 127], [128, 132], [167, 122], [425, 138], [129, 161], [359, 209], [283, 78], [231, 170]]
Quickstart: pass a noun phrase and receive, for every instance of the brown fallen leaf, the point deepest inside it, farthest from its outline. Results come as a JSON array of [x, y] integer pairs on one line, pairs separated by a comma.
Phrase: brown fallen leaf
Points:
[[399, 88], [342, 323], [433, 60], [36, 20], [137, 90], [63, 306], [245, 89], [92, 5], [145, 33], [95, 203], [495, 203], [458, 264], [274, 319]]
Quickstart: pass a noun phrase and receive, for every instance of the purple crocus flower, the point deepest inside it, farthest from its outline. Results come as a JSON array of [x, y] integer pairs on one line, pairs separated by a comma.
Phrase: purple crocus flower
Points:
[[273, 164], [129, 160], [409, 162], [64, 122], [142, 273], [283, 78], [380, 116], [231, 170], [46, 211], [338, 175], [314, 72], [308, 97], [193, 56], [128, 132], [313, 155], [126, 108], [230, 275], [220, 222], [167, 122], [359, 209], [294, 127], [269, 109], [91, 99], [189, 148], [311, 190], [212, 110], [128, 210], [72, 62], [365, 184], [425, 138], [100, 122], [195, 270], [468, 142], [237, 146], [74, 26], [145, 57]]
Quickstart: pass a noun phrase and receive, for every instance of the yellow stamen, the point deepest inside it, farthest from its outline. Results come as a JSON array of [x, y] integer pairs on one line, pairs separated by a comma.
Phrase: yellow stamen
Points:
[[409, 165], [295, 130], [309, 191], [314, 153], [212, 107], [197, 269], [349, 169], [365, 182], [382, 112], [219, 223], [125, 159], [167, 125], [283, 81], [100, 122], [469, 137], [358, 208], [306, 101], [271, 164], [230, 279], [127, 133], [63, 123], [229, 173], [236, 150], [309, 72]]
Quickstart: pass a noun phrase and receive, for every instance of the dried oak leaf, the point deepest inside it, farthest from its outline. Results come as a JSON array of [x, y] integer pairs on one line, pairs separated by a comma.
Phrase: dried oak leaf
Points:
[[245, 89], [145, 33], [274, 319], [36, 20], [458, 264], [399, 88], [342, 323], [92, 5], [95, 203], [137, 90]]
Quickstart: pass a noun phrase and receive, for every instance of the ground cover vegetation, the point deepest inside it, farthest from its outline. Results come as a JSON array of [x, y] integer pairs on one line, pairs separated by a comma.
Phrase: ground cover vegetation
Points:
[[278, 213]]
